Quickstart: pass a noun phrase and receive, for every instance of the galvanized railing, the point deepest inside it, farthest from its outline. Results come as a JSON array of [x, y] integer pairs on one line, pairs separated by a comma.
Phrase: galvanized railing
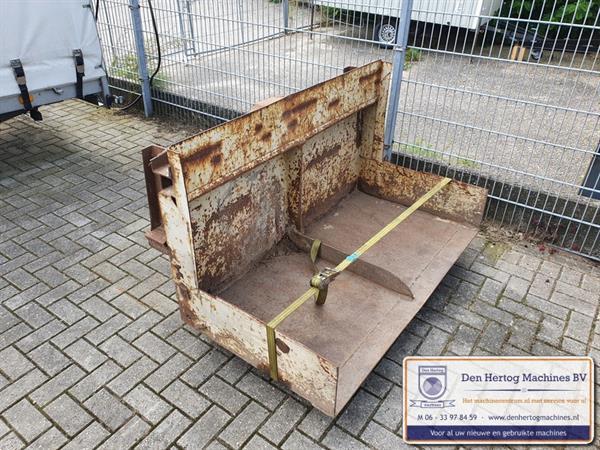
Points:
[[500, 93]]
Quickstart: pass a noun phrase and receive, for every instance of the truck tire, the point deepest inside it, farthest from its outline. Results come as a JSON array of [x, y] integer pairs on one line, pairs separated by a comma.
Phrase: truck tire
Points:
[[385, 32]]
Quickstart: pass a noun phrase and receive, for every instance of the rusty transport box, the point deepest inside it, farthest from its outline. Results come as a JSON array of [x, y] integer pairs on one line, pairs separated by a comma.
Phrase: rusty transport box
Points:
[[238, 209]]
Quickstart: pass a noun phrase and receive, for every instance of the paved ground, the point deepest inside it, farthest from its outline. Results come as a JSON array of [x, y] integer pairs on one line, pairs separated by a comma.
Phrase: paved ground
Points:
[[92, 349]]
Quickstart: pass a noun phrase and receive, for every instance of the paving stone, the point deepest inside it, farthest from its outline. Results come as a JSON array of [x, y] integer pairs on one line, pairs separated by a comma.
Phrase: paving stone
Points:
[[11, 442], [519, 309], [223, 394], [132, 375], [378, 437], [283, 420], [464, 340], [120, 350], [95, 380], [66, 311], [86, 355], [550, 269], [140, 325], [40, 336], [547, 307], [68, 415], [188, 343], [297, 441], [570, 276], [13, 363], [98, 308], [315, 423], [34, 315], [108, 409], [204, 429], [573, 347], [74, 332], [159, 302], [522, 334], [573, 303], [244, 425], [56, 385], [88, 438], [166, 432], [20, 388], [258, 389], [127, 436], [357, 412], [337, 439], [579, 327], [542, 286], [129, 305], [147, 404], [390, 370], [168, 371], [204, 368], [434, 343], [13, 334], [50, 440], [26, 420], [491, 290], [377, 385], [391, 409], [551, 330], [186, 399], [493, 337], [107, 329]]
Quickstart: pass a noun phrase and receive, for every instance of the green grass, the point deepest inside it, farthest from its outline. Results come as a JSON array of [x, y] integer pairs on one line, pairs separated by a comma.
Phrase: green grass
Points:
[[420, 150], [126, 67]]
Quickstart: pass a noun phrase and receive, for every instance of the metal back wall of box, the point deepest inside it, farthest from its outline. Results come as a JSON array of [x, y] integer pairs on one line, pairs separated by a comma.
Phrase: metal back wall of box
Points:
[[43, 35], [228, 202]]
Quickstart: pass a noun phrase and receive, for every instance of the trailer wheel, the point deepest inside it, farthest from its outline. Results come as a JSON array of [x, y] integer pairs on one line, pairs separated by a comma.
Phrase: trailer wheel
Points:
[[385, 33]]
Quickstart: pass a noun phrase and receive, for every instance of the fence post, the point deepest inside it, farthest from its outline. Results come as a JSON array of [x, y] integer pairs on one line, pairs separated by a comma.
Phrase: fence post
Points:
[[397, 68], [286, 14], [136, 19]]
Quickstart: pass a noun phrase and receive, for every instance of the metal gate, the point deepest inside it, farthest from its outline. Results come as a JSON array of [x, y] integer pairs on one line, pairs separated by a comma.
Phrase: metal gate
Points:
[[500, 93]]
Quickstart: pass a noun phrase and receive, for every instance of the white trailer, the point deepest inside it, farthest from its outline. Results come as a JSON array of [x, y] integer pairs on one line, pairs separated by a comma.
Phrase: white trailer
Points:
[[49, 52], [468, 14]]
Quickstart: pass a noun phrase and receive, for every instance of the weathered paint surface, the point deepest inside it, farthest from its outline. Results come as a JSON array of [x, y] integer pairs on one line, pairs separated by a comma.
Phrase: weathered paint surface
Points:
[[301, 369], [459, 201], [224, 152], [239, 188]]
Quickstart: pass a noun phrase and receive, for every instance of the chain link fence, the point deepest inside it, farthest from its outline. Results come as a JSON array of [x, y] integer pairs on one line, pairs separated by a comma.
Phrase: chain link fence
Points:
[[500, 93]]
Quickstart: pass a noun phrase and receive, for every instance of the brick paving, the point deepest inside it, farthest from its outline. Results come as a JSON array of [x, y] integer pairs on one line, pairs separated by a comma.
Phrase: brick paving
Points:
[[93, 352]]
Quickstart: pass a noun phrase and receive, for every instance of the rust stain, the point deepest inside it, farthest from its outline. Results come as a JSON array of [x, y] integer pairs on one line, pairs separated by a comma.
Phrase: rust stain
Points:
[[211, 152], [178, 274], [282, 345], [325, 154], [185, 309], [258, 127], [300, 107], [333, 103], [376, 75], [292, 124], [265, 136], [326, 367], [226, 252]]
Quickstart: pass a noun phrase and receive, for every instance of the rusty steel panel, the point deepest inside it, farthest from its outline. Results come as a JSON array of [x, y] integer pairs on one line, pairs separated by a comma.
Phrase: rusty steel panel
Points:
[[302, 370], [459, 201], [236, 223], [224, 152]]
